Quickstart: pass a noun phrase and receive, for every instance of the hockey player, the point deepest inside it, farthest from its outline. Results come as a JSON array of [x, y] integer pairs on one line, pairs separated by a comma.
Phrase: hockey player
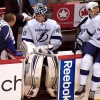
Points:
[[91, 52], [41, 36], [84, 35], [6, 36]]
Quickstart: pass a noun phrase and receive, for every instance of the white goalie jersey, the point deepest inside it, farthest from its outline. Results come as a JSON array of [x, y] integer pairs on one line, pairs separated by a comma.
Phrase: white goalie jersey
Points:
[[43, 33]]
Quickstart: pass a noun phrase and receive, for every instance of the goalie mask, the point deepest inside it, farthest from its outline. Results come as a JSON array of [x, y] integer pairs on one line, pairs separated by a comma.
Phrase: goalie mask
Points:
[[40, 9]]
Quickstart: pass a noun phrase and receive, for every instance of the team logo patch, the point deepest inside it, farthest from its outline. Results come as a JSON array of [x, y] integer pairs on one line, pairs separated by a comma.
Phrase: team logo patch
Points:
[[42, 37]]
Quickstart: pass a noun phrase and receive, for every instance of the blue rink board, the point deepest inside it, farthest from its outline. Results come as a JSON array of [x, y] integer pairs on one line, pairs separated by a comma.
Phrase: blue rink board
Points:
[[66, 80]]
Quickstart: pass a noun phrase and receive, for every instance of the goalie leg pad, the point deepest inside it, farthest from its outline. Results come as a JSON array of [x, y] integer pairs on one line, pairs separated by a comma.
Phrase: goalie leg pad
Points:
[[33, 71], [27, 48], [51, 76]]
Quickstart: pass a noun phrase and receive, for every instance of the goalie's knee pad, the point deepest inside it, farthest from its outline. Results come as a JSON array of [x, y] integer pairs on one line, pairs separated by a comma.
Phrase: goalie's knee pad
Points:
[[33, 69], [27, 48], [87, 62], [52, 76]]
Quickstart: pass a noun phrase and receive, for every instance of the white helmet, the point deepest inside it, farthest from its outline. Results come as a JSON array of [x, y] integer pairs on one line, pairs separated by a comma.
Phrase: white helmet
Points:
[[90, 5], [40, 9]]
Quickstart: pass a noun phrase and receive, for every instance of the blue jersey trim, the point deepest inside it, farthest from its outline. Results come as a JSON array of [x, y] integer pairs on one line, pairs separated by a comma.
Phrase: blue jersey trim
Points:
[[29, 40], [56, 37], [95, 79], [84, 72]]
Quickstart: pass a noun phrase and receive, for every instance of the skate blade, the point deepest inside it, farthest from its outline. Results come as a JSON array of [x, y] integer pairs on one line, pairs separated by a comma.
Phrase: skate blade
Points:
[[79, 96]]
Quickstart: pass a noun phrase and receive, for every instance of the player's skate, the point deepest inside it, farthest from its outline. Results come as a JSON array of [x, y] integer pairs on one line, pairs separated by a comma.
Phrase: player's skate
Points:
[[51, 76], [80, 93], [91, 95]]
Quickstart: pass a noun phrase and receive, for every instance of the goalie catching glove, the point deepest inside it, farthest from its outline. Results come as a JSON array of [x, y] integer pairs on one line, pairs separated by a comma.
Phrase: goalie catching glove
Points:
[[44, 49]]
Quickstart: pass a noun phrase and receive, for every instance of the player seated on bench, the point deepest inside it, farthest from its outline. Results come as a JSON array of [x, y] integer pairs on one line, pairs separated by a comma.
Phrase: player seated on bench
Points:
[[41, 37], [6, 37]]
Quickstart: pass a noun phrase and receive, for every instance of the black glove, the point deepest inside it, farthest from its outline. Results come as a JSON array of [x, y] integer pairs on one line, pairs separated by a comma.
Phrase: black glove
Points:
[[79, 43], [19, 53], [76, 47]]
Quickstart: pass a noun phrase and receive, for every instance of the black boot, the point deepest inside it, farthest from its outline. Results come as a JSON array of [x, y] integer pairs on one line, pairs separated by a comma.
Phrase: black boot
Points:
[[80, 93], [91, 95]]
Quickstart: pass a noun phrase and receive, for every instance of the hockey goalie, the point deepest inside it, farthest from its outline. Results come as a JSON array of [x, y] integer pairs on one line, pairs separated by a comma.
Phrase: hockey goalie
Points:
[[41, 38]]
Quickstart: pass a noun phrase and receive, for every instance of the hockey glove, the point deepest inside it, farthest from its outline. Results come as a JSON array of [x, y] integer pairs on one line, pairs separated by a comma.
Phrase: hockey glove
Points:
[[75, 48], [44, 49], [78, 45]]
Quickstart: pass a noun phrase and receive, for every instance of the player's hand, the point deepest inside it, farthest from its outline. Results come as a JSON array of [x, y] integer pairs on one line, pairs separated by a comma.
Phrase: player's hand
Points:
[[19, 53], [45, 49], [50, 47], [77, 46], [27, 18], [42, 49], [79, 43]]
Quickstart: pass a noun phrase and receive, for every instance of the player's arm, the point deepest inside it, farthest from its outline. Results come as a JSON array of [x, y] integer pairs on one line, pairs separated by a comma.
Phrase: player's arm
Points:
[[26, 34], [84, 37], [91, 28], [7, 39], [56, 38], [9, 42]]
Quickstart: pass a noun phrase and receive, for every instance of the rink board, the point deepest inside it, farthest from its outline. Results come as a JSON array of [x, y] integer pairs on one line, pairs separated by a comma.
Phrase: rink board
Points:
[[11, 72], [69, 69]]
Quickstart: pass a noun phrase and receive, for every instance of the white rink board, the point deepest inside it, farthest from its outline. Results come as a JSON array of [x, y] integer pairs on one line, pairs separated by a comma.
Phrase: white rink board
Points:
[[11, 80], [77, 73]]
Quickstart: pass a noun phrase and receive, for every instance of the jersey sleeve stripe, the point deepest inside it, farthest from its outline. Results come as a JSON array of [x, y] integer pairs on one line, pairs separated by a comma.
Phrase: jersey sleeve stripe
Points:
[[56, 37], [6, 36], [89, 33], [29, 40]]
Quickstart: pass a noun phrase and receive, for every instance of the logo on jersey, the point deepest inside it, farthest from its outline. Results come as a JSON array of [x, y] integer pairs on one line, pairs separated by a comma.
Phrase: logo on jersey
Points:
[[83, 11], [63, 14], [42, 36]]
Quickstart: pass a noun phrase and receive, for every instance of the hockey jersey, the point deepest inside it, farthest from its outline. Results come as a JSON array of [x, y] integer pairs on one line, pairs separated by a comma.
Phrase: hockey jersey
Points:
[[84, 35], [43, 33], [94, 28]]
